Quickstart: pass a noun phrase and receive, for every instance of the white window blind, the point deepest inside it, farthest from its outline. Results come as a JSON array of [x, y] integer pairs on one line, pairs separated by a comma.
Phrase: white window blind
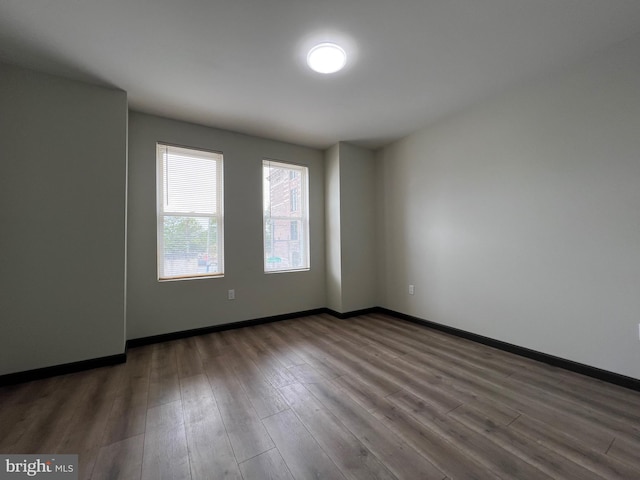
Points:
[[190, 213], [286, 216]]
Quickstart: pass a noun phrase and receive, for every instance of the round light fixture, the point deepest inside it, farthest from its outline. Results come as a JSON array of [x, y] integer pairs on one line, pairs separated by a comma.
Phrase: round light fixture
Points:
[[326, 58]]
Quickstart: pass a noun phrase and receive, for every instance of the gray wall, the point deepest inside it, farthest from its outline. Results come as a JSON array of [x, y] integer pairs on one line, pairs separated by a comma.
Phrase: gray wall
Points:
[[62, 190], [351, 227], [519, 219], [358, 220], [332, 225], [516, 219], [161, 307]]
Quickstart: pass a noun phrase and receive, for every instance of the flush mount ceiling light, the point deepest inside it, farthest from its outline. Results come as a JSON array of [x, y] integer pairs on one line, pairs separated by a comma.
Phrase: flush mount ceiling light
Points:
[[326, 58]]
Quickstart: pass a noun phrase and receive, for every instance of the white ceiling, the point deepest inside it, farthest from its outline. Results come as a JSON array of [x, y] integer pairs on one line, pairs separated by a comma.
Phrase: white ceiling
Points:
[[240, 64]]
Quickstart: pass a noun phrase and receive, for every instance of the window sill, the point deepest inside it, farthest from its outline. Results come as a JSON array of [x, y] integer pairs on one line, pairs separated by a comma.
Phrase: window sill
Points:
[[288, 271], [194, 277]]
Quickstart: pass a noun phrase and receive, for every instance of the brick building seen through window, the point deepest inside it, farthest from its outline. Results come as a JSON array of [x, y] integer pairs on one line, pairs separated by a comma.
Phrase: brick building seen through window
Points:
[[285, 217]]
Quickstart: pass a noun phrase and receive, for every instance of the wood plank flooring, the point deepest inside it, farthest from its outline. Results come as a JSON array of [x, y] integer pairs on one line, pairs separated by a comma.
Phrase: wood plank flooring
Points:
[[371, 397]]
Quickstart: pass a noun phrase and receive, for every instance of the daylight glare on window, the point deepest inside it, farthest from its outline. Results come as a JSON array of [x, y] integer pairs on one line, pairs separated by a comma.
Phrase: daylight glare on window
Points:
[[189, 213]]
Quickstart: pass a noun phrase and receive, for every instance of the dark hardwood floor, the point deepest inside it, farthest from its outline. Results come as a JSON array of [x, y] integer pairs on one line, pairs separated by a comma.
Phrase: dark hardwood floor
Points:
[[370, 397]]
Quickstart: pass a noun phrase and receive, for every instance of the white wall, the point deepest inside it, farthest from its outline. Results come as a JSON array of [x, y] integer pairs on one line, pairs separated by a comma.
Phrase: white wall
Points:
[[519, 219], [161, 307], [62, 190]]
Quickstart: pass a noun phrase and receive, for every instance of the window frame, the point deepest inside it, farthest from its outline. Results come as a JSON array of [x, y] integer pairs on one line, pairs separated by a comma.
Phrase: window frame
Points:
[[161, 213], [302, 207]]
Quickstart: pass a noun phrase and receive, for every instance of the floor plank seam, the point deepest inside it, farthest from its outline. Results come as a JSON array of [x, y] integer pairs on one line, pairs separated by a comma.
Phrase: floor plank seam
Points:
[[610, 445], [509, 424]]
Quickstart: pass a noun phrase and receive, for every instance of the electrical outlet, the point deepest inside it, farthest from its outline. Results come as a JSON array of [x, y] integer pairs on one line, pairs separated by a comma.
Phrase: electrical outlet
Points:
[[232, 294], [412, 289]]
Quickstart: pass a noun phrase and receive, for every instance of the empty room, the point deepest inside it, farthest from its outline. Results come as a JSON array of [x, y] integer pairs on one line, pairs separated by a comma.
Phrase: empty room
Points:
[[320, 239]]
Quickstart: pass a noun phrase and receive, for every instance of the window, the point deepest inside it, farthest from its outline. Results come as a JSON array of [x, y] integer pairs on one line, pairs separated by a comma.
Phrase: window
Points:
[[286, 218], [190, 215]]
